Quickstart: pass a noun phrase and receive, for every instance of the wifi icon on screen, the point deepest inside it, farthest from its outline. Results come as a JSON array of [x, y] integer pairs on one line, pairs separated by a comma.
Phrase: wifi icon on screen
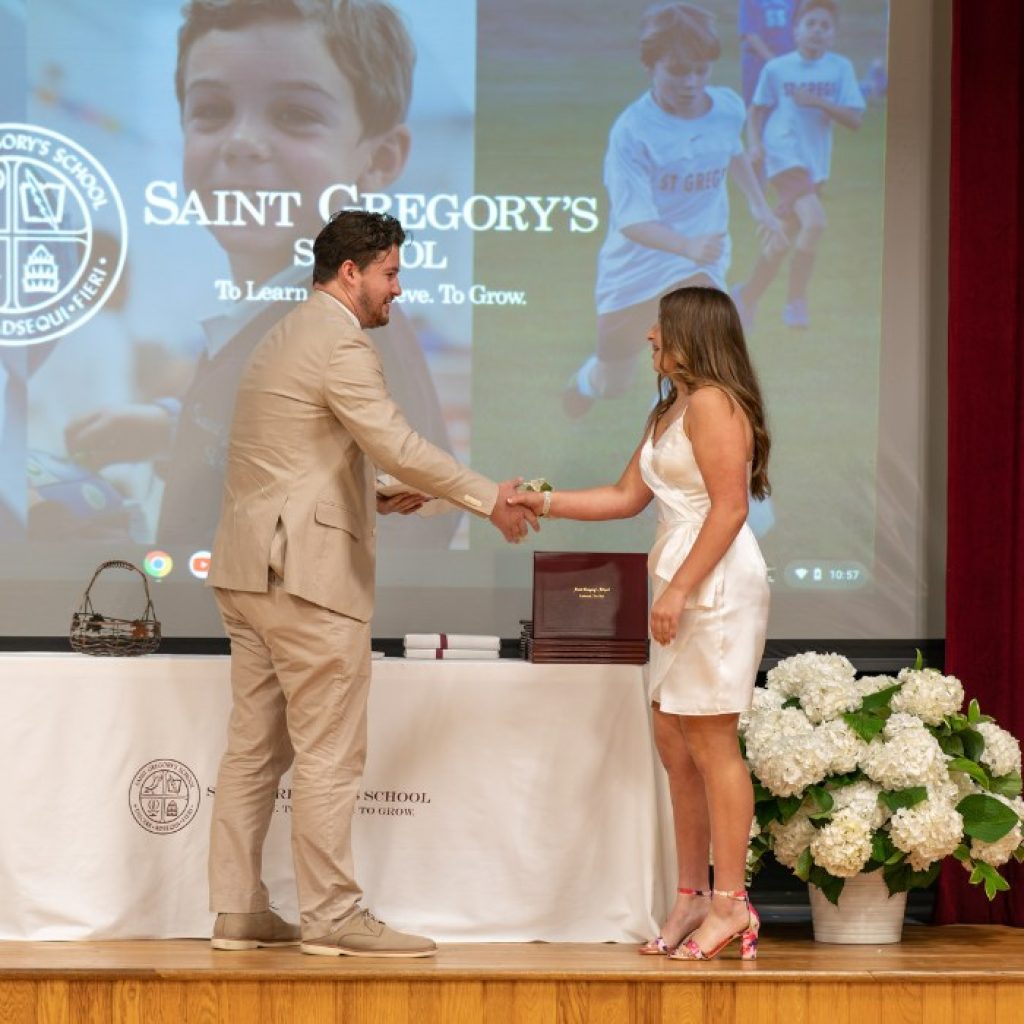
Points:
[[800, 572]]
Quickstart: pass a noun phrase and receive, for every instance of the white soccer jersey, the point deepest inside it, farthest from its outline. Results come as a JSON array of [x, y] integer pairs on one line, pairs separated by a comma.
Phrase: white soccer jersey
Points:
[[673, 170], [796, 136]]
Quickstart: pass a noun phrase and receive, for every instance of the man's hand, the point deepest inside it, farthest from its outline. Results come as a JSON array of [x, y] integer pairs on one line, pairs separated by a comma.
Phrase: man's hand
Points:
[[512, 520], [404, 503]]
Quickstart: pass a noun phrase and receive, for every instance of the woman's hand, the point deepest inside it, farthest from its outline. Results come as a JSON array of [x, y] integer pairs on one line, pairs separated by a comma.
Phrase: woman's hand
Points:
[[533, 500], [665, 614], [403, 503]]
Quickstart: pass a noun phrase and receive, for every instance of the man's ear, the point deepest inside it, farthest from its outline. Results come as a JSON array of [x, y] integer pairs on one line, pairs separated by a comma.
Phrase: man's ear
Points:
[[348, 274], [388, 154]]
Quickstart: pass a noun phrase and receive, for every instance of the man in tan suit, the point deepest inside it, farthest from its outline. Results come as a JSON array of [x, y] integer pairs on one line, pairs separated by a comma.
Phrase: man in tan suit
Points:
[[293, 568]]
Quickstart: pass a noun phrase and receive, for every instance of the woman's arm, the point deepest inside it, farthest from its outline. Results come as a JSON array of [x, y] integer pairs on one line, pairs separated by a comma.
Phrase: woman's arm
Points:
[[621, 500], [720, 436]]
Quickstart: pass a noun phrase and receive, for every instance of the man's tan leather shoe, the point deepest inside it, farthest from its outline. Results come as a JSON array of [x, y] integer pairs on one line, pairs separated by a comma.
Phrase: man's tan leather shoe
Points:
[[250, 931], [361, 934]]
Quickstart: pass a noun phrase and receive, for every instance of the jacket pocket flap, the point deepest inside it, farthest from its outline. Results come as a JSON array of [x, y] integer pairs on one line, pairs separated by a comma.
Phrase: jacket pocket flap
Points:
[[328, 514]]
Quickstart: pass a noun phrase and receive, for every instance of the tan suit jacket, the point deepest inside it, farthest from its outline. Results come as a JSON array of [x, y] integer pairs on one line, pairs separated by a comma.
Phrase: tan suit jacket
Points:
[[313, 418]]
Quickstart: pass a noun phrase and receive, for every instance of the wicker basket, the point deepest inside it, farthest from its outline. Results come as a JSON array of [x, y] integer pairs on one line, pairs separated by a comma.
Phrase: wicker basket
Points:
[[93, 633]]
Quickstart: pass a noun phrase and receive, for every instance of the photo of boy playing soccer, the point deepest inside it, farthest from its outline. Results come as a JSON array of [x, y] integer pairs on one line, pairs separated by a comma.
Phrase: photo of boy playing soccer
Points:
[[798, 97], [669, 157]]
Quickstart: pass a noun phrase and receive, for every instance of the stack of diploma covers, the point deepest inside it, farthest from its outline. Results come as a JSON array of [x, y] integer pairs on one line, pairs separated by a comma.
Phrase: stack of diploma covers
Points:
[[455, 646], [588, 607]]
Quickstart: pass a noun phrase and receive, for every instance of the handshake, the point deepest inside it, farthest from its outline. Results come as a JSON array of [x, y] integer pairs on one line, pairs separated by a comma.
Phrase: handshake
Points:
[[521, 504]]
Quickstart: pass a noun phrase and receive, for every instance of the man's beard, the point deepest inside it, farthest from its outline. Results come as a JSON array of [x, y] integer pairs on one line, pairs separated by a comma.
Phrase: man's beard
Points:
[[373, 314]]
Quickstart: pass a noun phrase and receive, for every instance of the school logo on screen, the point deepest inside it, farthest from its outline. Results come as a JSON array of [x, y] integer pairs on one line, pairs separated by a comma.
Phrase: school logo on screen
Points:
[[62, 235], [164, 796]]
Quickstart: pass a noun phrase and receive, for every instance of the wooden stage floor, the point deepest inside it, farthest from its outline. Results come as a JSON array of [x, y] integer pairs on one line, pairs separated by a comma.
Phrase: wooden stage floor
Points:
[[961, 974]]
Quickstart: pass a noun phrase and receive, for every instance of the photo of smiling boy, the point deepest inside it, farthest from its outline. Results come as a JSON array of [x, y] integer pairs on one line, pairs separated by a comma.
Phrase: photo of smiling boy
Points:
[[669, 157], [285, 98], [798, 97]]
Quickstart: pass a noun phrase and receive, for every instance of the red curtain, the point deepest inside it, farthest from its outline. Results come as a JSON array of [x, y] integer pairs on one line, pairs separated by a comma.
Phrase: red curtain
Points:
[[985, 547]]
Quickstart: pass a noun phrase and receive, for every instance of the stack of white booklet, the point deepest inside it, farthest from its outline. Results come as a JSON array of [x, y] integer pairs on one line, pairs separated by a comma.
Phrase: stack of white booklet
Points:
[[459, 646]]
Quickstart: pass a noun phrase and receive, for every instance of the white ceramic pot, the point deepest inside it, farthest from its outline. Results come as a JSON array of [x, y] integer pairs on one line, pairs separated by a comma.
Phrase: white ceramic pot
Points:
[[866, 914]]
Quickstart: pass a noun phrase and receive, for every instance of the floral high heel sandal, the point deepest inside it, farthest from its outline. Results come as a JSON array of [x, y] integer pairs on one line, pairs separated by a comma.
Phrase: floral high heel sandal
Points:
[[658, 946], [689, 950]]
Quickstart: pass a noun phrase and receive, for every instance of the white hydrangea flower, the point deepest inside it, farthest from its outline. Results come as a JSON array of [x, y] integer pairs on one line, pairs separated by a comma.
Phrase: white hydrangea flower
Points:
[[928, 694], [843, 846], [1002, 752], [790, 676], [763, 700], [908, 755], [828, 696], [926, 832], [948, 790], [842, 745], [862, 799], [774, 726], [963, 785], [999, 852], [790, 840], [786, 755], [872, 684]]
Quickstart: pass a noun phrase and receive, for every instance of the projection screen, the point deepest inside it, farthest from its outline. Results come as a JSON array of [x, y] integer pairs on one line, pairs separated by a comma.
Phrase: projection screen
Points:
[[159, 195]]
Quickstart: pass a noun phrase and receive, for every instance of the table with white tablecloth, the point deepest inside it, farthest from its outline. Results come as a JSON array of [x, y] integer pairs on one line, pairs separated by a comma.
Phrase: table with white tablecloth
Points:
[[502, 801]]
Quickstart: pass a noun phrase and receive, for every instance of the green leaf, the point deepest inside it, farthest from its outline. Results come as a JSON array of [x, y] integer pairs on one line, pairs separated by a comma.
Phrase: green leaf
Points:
[[762, 793], [866, 726], [974, 712], [822, 798], [919, 660], [952, 746], [766, 813], [922, 879], [992, 880], [1018, 854], [897, 877], [830, 885], [880, 698], [985, 817], [970, 767], [847, 779], [974, 744], [803, 865], [882, 847], [896, 857], [788, 806], [962, 853], [792, 702], [908, 797], [1007, 785]]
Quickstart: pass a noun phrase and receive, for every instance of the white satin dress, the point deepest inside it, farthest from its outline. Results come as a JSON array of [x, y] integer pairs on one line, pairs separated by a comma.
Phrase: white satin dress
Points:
[[711, 666]]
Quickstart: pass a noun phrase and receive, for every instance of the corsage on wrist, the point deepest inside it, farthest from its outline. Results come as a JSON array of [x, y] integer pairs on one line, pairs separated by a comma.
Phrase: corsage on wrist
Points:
[[539, 486]]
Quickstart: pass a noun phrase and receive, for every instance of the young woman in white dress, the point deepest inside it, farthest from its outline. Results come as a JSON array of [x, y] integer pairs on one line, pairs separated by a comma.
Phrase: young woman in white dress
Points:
[[704, 452]]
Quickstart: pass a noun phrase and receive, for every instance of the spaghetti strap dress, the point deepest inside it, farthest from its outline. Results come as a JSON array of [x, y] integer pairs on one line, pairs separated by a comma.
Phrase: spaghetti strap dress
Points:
[[711, 665]]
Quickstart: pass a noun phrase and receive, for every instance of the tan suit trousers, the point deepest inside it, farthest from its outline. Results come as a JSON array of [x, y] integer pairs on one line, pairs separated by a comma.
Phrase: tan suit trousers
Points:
[[300, 678]]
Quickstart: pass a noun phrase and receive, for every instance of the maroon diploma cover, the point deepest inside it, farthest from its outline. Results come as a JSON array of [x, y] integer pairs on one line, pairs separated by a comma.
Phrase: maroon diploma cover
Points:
[[589, 606]]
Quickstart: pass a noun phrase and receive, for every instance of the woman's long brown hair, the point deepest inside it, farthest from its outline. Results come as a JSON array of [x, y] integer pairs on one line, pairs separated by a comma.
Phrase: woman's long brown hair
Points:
[[702, 333]]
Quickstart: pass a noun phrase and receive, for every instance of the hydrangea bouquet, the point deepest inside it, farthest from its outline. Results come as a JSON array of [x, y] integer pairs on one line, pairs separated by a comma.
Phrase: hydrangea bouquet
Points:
[[879, 774]]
